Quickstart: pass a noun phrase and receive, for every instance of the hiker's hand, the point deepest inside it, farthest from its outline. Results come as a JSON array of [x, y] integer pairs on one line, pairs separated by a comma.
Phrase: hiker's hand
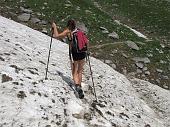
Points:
[[53, 25]]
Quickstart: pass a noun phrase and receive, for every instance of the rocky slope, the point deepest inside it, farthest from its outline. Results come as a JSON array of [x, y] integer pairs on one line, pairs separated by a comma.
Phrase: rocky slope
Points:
[[27, 100]]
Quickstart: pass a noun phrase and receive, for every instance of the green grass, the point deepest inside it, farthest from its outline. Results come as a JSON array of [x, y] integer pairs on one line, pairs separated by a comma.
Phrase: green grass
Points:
[[153, 15]]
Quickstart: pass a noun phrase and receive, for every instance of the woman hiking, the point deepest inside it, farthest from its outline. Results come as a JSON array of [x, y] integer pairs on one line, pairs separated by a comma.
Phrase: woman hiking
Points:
[[78, 57]]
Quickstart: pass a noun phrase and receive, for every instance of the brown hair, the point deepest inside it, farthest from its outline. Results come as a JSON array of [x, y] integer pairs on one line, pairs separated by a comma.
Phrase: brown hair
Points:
[[71, 24]]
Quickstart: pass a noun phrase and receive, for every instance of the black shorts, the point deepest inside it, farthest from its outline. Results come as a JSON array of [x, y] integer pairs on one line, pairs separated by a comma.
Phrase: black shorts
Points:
[[78, 56]]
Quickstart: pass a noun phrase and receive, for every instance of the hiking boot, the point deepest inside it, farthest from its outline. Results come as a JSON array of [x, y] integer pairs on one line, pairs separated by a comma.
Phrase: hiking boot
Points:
[[79, 91]]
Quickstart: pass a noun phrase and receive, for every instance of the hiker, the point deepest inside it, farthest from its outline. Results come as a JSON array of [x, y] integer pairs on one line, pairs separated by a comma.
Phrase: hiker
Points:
[[78, 58]]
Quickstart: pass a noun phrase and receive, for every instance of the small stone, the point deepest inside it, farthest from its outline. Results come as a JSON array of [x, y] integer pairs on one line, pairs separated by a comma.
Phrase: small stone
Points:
[[165, 86], [88, 11], [26, 10], [162, 62], [24, 17], [35, 20], [105, 31], [149, 55], [132, 45], [123, 54], [147, 73], [6, 78], [108, 61], [21, 94], [103, 28], [2, 59], [113, 35], [165, 77], [139, 71], [67, 5], [113, 65], [87, 116], [158, 81], [124, 71], [44, 31], [141, 59], [81, 26], [43, 22], [145, 69], [159, 70], [45, 3], [139, 65]]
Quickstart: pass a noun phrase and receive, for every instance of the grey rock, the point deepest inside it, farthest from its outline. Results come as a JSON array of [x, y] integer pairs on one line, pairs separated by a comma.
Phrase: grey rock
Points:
[[158, 81], [45, 3], [165, 86], [115, 5], [29, 11], [149, 55], [131, 74], [132, 45], [162, 45], [38, 13], [81, 26], [68, 5], [139, 71], [78, 8], [24, 17], [88, 11], [141, 59], [114, 51], [123, 54], [143, 75], [118, 22], [159, 70], [145, 69], [113, 65], [141, 43], [114, 35], [105, 31], [35, 20], [124, 71], [43, 22], [108, 61], [103, 28], [165, 77], [162, 62], [139, 65], [6, 78], [147, 73], [44, 30]]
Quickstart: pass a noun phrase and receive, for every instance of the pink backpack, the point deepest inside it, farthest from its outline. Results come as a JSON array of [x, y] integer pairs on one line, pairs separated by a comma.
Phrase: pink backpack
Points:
[[79, 43]]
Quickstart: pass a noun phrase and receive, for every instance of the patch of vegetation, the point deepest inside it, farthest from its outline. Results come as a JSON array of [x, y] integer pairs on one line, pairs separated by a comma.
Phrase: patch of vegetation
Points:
[[152, 15]]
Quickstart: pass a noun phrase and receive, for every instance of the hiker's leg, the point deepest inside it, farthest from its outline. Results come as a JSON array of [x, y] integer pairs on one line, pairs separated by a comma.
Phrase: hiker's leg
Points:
[[80, 70], [75, 74]]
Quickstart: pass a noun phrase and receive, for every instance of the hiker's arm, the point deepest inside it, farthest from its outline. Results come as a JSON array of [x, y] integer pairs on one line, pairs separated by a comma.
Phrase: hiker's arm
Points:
[[58, 35]]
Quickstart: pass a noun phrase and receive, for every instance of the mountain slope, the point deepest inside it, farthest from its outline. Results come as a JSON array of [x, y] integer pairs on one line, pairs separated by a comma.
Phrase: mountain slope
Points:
[[27, 100]]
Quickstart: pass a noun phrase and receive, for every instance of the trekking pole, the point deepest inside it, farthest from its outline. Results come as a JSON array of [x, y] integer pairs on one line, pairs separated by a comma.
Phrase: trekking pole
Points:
[[71, 62], [49, 54], [92, 76]]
